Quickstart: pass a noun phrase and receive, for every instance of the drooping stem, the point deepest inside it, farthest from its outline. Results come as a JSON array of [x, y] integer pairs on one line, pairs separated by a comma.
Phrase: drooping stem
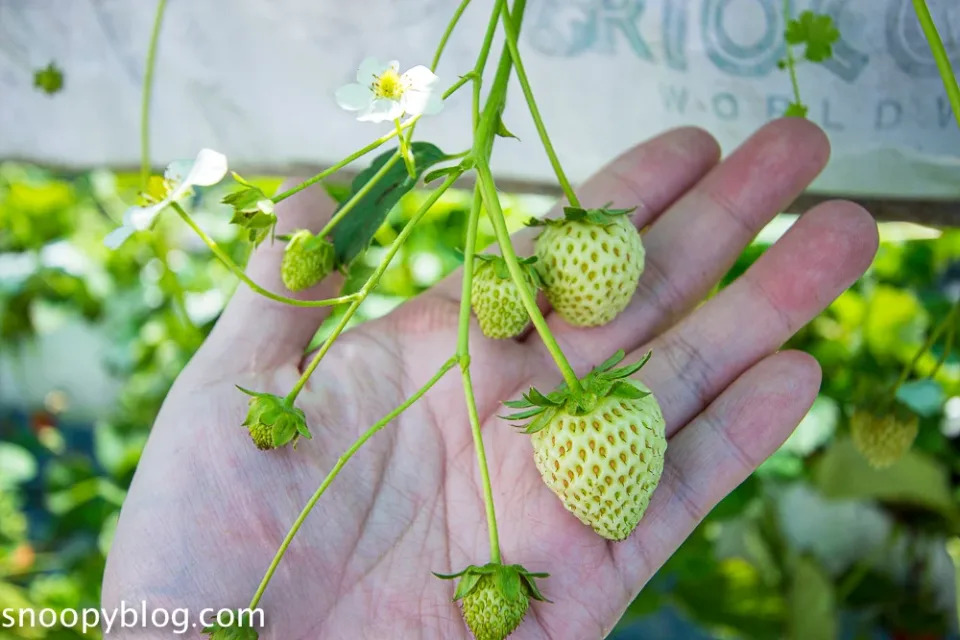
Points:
[[510, 32], [340, 165], [237, 271], [492, 202], [947, 322], [371, 283], [147, 93], [940, 56], [361, 192], [463, 354], [332, 474]]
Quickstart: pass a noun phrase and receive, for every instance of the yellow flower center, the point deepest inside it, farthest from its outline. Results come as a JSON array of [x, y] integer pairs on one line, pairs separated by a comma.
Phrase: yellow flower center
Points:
[[388, 85]]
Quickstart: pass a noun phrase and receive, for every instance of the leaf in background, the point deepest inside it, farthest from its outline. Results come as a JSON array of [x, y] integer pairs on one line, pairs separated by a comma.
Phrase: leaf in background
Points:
[[17, 465], [813, 607], [352, 235], [916, 479], [953, 550], [924, 397]]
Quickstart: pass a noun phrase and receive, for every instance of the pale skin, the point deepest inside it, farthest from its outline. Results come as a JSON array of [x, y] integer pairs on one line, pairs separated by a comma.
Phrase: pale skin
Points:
[[206, 510]]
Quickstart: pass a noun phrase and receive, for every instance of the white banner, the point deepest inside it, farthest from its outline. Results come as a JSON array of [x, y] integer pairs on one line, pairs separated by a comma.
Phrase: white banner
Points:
[[255, 80]]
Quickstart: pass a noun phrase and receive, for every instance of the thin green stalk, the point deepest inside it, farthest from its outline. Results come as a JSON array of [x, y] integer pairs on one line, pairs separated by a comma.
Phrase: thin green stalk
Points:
[[331, 476], [791, 62], [463, 353], [438, 53], [947, 321], [511, 36], [939, 56], [489, 190], [405, 151], [361, 295], [355, 198], [481, 64], [456, 85], [237, 271], [340, 165], [147, 93]]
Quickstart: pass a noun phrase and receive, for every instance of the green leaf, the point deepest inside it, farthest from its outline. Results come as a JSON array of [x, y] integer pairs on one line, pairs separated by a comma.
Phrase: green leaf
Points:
[[354, 233], [467, 583], [508, 580], [48, 79], [284, 431], [436, 174], [612, 361], [916, 479], [796, 110], [17, 465], [813, 607], [924, 397], [953, 550], [817, 31]]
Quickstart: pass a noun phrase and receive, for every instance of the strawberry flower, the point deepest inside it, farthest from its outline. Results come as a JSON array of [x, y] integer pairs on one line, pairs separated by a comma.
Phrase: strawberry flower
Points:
[[208, 168], [382, 93]]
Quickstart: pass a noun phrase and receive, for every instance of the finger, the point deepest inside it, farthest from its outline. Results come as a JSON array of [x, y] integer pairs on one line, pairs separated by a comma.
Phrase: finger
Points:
[[649, 176], [696, 241], [822, 254], [253, 326], [715, 453]]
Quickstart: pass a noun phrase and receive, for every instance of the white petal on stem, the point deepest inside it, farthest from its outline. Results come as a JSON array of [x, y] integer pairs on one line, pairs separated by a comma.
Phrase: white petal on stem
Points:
[[118, 236], [369, 69], [208, 169], [140, 218], [419, 77], [381, 111], [416, 102], [354, 97]]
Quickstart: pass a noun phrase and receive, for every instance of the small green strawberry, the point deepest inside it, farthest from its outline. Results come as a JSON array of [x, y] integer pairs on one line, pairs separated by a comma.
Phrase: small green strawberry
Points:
[[307, 260], [590, 262], [496, 298], [272, 422], [601, 450], [882, 439], [495, 597]]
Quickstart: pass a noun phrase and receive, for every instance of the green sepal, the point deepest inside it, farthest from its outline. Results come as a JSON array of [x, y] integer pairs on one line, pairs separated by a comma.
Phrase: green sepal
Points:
[[510, 580], [603, 381], [286, 422], [503, 272], [605, 215], [252, 210], [234, 632]]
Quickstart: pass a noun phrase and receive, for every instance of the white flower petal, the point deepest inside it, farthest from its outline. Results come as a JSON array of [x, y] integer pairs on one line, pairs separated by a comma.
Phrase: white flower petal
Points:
[[354, 97], [118, 236], [381, 111], [395, 65], [416, 102], [177, 170], [265, 205], [369, 68], [208, 169], [419, 77], [140, 218]]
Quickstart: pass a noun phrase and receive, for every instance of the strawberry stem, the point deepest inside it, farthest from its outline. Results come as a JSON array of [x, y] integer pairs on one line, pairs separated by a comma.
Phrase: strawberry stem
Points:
[[341, 461], [463, 354], [348, 206], [511, 36], [237, 271], [940, 55], [372, 282]]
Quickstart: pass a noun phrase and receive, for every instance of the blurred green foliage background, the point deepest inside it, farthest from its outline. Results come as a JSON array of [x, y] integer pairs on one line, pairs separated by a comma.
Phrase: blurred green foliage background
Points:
[[816, 544]]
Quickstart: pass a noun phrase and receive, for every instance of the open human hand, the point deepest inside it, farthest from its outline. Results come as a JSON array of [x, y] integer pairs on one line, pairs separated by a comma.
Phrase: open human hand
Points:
[[206, 510]]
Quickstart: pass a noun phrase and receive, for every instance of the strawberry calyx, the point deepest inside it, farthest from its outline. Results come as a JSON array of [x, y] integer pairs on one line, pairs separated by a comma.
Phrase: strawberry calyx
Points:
[[502, 272], [236, 631], [602, 382], [272, 421], [604, 216], [511, 580]]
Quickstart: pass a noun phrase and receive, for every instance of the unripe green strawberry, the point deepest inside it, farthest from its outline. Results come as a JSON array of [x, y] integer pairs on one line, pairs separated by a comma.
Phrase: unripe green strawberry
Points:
[[272, 422], [590, 262], [496, 298], [495, 597], [306, 261], [882, 440], [602, 450]]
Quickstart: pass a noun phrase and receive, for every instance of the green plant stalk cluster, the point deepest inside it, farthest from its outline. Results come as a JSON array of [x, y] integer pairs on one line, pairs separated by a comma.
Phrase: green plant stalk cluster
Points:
[[485, 126]]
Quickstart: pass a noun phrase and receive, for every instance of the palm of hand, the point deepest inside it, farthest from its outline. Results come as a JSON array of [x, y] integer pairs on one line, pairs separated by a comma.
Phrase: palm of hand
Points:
[[207, 510]]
